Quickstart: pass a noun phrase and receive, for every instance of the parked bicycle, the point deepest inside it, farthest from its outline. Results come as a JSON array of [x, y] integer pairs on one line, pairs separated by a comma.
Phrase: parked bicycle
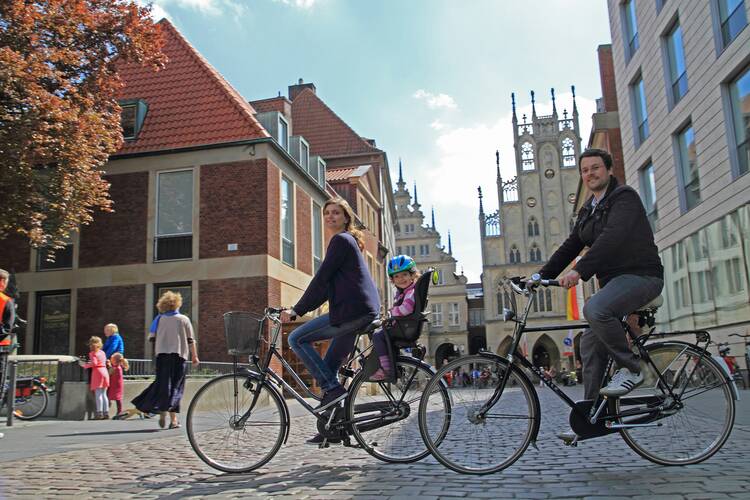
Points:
[[238, 422], [682, 413], [32, 397], [746, 338]]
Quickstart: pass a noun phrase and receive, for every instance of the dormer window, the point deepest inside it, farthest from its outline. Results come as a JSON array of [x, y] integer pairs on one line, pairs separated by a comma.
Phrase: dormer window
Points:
[[283, 132], [300, 151], [131, 117], [304, 155]]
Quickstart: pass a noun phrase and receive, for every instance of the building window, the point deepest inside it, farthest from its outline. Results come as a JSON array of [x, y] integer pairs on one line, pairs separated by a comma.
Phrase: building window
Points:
[[476, 317], [453, 315], [184, 289], [732, 19], [398, 251], [533, 227], [440, 280], [527, 156], [128, 122], [52, 332], [424, 250], [677, 68], [283, 133], [60, 258], [660, 5], [688, 168], [568, 153], [287, 221], [437, 315], [535, 254], [304, 156], [631, 28], [174, 215], [317, 237], [648, 188], [412, 250], [739, 93], [514, 254], [640, 114]]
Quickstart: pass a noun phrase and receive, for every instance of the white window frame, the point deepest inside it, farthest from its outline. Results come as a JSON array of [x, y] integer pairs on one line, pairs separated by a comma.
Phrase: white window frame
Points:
[[284, 239], [640, 110], [436, 318], [156, 215], [285, 142], [454, 315]]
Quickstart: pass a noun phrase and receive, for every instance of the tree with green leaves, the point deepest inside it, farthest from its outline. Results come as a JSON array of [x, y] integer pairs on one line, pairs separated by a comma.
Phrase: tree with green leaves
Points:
[[59, 117]]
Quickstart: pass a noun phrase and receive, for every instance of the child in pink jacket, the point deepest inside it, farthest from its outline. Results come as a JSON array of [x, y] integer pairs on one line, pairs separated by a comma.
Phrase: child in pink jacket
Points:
[[99, 377]]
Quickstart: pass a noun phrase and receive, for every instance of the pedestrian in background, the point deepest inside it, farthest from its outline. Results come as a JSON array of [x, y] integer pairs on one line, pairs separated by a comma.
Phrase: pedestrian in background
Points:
[[118, 365], [99, 377], [113, 341], [172, 335]]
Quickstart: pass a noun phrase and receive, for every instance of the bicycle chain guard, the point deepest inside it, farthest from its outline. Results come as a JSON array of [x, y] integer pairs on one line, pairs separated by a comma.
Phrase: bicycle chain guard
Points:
[[581, 423]]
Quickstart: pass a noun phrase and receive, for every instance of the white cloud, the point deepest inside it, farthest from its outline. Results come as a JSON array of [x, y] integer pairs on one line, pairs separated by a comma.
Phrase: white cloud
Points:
[[465, 159], [302, 4], [207, 7], [435, 101], [437, 125]]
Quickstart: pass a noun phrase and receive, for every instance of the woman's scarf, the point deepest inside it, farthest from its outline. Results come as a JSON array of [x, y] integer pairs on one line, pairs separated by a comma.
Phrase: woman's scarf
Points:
[[155, 322]]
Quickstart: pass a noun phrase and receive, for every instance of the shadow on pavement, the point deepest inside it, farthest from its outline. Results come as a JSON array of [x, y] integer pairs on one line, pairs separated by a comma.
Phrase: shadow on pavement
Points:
[[105, 433]]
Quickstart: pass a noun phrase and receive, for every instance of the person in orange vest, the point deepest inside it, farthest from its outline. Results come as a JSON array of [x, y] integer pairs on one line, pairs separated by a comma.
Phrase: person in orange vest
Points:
[[8, 309]]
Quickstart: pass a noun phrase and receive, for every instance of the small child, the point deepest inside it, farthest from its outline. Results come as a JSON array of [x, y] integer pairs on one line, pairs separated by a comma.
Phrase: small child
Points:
[[99, 377], [403, 273], [112, 341], [114, 392]]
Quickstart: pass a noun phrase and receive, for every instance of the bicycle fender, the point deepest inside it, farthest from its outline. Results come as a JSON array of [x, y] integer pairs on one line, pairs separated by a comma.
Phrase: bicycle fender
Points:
[[524, 379]]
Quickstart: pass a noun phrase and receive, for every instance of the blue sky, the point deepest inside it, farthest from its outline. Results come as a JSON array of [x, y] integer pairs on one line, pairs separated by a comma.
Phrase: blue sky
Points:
[[429, 80]]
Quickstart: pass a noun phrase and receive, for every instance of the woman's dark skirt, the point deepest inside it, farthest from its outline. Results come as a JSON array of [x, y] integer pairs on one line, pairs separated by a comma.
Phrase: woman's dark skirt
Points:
[[165, 392]]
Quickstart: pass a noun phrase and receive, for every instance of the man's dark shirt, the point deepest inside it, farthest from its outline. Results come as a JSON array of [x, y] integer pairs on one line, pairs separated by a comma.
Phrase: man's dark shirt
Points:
[[618, 235]]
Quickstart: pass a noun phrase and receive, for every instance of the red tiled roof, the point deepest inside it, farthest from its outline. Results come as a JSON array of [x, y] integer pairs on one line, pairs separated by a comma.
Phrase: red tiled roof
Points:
[[344, 174], [189, 102], [328, 135]]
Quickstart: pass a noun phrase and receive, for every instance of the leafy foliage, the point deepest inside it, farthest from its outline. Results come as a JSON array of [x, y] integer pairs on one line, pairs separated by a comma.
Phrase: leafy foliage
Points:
[[59, 117]]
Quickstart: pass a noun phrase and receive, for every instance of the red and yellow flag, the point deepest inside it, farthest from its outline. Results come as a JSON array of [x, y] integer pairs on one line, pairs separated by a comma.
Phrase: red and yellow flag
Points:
[[575, 302]]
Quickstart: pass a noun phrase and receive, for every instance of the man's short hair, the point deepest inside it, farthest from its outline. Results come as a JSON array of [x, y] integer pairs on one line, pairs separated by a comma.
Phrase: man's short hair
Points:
[[4, 275], [605, 156]]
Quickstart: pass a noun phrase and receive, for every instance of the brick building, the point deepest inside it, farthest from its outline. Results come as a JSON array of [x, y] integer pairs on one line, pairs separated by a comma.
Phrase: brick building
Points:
[[356, 169], [207, 202]]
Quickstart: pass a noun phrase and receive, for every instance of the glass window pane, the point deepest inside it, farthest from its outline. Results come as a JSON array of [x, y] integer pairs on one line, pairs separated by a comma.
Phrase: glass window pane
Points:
[[739, 91], [53, 325], [677, 287], [689, 168], [304, 155], [287, 222], [729, 267], [283, 134], [733, 19], [677, 69], [641, 112], [317, 236], [648, 189], [127, 121], [631, 27], [175, 203], [701, 282]]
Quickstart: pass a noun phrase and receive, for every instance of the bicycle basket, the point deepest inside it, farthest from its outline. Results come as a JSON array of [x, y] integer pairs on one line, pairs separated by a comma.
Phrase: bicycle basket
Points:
[[243, 331]]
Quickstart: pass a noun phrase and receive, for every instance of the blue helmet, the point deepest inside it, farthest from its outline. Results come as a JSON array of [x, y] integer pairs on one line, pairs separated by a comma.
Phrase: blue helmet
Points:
[[400, 263]]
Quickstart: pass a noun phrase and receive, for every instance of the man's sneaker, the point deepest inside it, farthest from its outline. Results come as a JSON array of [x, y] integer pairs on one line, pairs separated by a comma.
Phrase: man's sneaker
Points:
[[569, 437], [622, 383], [317, 439], [331, 397]]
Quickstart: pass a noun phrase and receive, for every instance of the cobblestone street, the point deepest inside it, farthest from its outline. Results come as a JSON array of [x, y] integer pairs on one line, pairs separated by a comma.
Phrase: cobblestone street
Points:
[[163, 465]]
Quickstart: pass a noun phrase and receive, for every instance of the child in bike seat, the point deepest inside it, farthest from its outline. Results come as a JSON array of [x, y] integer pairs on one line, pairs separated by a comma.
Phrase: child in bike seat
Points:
[[404, 274]]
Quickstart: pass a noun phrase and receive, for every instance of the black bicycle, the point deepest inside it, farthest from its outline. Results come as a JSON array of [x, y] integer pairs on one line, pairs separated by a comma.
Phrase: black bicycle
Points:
[[682, 413], [238, 422]]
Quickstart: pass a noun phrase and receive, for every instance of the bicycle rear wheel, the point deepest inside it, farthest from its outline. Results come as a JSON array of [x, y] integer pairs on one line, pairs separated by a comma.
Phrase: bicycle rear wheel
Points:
[[216, 433], [31, 406], [474, 444], [701, 421], [385, 416]]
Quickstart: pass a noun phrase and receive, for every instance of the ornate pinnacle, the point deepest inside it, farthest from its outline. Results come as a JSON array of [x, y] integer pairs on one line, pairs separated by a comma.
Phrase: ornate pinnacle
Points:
[[533, 105], [575, 108], [513, 103], [554, 108]]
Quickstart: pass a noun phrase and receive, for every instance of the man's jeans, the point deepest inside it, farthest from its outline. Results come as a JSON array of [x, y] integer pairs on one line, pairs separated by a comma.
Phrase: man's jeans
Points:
[[320, 328], [603, 311]]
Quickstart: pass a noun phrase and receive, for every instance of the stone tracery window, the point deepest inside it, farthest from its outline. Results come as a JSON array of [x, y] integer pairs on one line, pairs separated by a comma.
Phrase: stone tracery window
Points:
[[569, 153], [533, 227], [527, 156]]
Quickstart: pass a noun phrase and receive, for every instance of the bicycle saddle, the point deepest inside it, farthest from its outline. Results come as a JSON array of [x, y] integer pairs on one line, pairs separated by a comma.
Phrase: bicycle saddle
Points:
[[651, 306], [374, 325]]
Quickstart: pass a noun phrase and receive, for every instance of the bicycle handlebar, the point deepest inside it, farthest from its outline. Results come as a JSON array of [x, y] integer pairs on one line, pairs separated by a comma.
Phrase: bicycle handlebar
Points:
[[519, 285], [739, 335]]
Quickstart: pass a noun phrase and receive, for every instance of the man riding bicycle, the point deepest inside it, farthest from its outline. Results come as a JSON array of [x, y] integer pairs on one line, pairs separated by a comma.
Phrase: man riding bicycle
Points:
[[8, 309], [614, 227]]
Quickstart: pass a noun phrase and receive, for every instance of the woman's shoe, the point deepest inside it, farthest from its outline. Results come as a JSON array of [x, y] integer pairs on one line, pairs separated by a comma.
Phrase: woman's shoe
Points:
[[174, 425]]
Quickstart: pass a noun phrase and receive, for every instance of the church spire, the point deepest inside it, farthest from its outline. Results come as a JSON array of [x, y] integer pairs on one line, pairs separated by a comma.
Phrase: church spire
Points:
[[400, 172], [433, 218], [554, 108], [513, 103], [575, 108], [450, 246], [481, 208], [500, 192], [533, 106], [416, 200]]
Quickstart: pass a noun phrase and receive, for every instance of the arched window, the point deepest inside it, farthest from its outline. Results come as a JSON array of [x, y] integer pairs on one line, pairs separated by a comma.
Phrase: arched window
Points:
[[533, 227], [548, 294], [527, 156], [535, 255], [515, 257], [569, 153], [538, 255]]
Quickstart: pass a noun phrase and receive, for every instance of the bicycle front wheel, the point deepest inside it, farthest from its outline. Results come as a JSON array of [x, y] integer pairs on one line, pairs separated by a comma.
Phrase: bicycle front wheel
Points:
[[31, 406], [385, 416], [477, 443], [221, 435], [696, 423]]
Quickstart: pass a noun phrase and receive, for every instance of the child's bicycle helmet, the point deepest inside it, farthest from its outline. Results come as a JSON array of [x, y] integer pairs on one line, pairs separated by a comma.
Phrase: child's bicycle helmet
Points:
[[400, 263]]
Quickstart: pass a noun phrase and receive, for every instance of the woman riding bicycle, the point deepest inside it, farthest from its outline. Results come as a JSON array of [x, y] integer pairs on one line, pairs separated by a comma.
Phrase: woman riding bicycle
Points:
[[345, 282]]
